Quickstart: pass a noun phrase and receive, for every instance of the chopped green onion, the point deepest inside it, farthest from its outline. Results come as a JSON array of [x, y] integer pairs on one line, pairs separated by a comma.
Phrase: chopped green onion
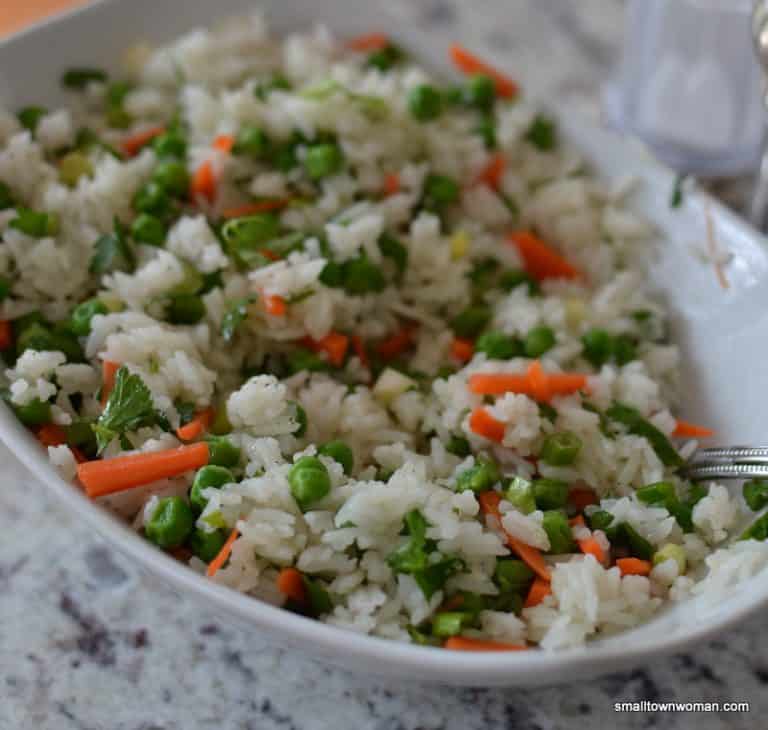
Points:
[[560, 448]]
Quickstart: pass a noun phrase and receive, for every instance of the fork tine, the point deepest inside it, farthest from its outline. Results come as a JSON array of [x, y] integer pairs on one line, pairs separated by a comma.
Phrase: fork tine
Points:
[[698, 472], [741, 454]]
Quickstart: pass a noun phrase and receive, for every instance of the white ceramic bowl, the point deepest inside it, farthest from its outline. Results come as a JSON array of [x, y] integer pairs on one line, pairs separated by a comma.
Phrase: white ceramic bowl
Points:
[[723, 335]]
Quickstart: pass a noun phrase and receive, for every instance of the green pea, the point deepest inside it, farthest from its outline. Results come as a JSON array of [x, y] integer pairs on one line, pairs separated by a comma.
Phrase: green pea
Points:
[[152, 198], [596, 346], [6, 197], [449, 623], [206, 545], [185, 309], [208, 476], [550, 493], [471, 321], [301, 418], [561, 448], [82, 314], [458, 446], [514, 278], [222, 452], [362, 276], [480, 92], [323, 160], [755, 493], [250, 232], [439, 191], [538, 341], [512, 575], [170, 144], [34, 413], [555, 524], [35, 336], [599, 520], [301, 360], [624, 349], [520, 495], [170, 524], [479, 478], [251, 141], [385, 58], [425, 103], [73, 166], [172, 176], [309, 481], [340, 452], [30, 117], [542, 133], [498, 346], [5, 287], [34, 223], [149, 229]]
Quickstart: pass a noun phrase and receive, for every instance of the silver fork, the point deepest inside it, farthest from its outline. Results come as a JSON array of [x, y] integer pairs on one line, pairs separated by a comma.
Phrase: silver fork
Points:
[[729, 462]]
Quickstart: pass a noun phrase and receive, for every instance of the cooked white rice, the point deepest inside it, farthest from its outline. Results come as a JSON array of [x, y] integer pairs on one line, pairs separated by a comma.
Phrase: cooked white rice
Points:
[[399, 416]]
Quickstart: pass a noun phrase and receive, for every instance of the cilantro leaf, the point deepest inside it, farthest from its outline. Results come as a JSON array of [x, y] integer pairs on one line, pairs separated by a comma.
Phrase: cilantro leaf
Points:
[[112, 251], [129, 407], [234, 317]]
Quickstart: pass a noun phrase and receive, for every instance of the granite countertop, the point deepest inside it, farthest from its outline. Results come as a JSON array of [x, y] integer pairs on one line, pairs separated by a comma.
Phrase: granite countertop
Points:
[[88, 643]]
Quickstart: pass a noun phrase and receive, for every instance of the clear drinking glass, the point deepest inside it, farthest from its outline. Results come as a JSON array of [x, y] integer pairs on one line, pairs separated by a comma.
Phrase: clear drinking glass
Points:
[[689, 84]]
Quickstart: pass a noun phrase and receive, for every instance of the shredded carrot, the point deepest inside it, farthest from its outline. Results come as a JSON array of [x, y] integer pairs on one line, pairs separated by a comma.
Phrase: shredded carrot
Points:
[[462, 643], [391, 183], [484, 424], [534, 382], [470, 64], [395, 345], [634, 566], [262, 206], [462, 350], [218, 562], [6, 334], [590, 546], [334, 345], [197, 426], [541, 260], [51, 434], [275, 305], [489, 504], [368, 42], [538, 591], [131, 145], [581, 497], [106, 476], [224, 143], [493, 172], [203, 183], [359, 347], [108, 373], [685, 429], [291, 584]]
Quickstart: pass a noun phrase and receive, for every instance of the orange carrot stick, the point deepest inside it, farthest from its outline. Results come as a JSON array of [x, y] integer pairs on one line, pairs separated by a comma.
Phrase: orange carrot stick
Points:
[[535, 383], [108, 374], [275, 305], [261, 206], [131, 145], [470, 64], [484, 424], [106, 476], [462, 643], [498, 383], [634, 566], [197, 426], [395, 345], [590, 546], [462, 350], [218, 562], [493, 172], [291, 584], [368, 42], [391, 183], [6, 334], [684, 429], [541, 261], [334, 345], [203, 183], [51, 434], [538, 591], [224, 143]]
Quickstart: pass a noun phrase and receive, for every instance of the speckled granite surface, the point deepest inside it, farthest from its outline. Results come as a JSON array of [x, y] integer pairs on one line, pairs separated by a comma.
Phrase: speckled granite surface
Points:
[[87, 643]]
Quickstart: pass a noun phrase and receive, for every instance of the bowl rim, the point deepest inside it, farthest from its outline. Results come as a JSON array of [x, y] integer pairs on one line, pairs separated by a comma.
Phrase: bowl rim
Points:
[[340, 645]]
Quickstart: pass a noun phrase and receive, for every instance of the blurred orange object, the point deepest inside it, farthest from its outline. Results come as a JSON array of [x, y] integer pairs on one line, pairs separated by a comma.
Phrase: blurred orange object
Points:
[[15, 15]]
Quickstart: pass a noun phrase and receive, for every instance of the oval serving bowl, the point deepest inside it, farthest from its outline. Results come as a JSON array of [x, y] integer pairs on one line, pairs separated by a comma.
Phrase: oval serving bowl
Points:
[[717, 328]]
